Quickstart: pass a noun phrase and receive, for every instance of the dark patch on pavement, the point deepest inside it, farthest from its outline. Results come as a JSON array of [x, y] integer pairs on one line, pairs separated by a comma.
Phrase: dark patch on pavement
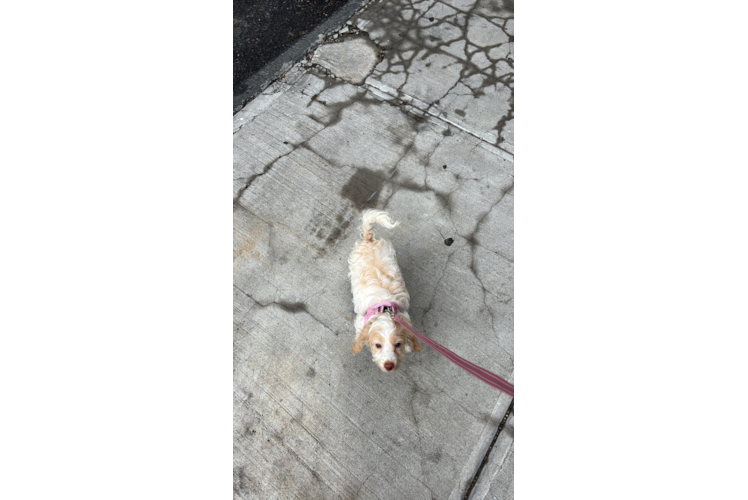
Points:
[[338, 231], [434, 457], [292, 307], [324, 229], [364, 187]]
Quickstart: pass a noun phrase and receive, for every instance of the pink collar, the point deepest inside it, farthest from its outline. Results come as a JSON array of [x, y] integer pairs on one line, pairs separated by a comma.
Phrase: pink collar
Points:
[[381, 308]]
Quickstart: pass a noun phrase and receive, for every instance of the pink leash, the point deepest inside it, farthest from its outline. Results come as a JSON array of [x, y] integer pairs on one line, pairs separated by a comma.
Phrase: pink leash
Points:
[[515, 391]]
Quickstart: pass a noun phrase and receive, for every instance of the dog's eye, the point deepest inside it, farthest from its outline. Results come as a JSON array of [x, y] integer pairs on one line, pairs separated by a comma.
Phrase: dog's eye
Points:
[[379, 346], [397, 345]]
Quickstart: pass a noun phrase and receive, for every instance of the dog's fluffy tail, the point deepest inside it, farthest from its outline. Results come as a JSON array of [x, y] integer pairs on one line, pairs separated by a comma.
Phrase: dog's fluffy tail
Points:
[[372, 216]]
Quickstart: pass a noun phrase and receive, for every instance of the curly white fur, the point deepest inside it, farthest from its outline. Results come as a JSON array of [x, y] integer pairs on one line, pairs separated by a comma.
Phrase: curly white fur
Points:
[[375, 277]]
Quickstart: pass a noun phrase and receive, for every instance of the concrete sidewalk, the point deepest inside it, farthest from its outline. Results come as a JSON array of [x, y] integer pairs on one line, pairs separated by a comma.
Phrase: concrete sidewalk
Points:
[[408, 108]]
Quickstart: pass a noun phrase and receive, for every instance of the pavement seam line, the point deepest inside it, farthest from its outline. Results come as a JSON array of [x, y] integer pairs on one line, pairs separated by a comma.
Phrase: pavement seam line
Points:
[[436, 113], [488, 452]]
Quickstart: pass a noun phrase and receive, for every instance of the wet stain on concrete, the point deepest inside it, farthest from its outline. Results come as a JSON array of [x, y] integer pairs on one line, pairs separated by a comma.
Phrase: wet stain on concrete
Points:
[[334, 236], [338, 231], [363, 188], [323, 228]]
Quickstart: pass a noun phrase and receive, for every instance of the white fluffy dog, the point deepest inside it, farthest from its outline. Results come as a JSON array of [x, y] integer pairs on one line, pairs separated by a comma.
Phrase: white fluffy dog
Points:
[[378, 293]]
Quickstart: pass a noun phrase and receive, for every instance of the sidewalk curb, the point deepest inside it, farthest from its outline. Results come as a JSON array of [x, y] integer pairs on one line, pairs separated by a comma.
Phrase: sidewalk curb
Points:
[[260, 80]]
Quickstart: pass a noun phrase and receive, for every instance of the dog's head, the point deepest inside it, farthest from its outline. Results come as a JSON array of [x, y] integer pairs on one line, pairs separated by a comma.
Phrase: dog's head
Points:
[[388, 341]]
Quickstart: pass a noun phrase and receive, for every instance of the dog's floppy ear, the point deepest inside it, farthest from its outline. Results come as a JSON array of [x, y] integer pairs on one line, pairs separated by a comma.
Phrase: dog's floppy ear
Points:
[[413, 341], [362, 337], [409, 337]]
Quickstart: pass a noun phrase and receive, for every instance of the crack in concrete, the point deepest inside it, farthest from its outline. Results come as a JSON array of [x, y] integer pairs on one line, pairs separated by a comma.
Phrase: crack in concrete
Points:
[[411, 36], [251, 178], [292, 307], [436, 289], [483, 287], [344, 34], [473, 243], [506, 118], [341, 106], [459, 180], [488, 452], [400, 101]]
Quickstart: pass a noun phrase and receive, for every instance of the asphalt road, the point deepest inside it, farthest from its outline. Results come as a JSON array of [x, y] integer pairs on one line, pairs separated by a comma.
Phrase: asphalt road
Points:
[[265, 28]]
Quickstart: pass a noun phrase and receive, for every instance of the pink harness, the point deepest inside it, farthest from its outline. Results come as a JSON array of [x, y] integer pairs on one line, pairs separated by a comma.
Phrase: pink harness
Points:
[[488, 377]]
